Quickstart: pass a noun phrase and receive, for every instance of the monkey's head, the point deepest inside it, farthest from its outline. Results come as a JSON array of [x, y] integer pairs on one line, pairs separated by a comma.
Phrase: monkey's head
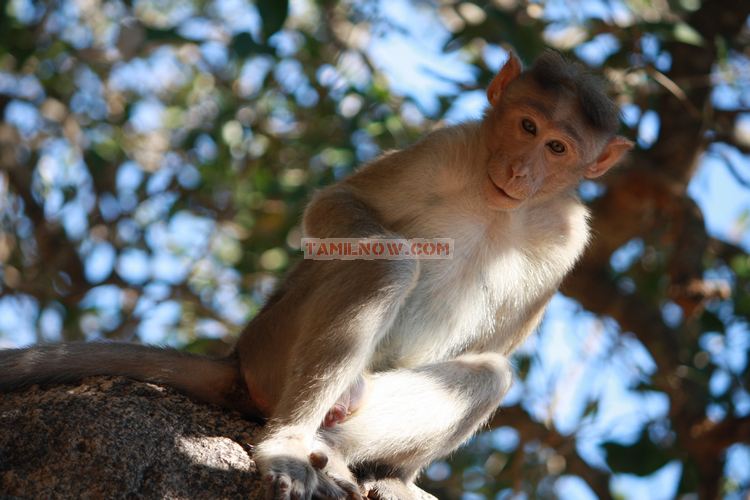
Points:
[[546, 129]]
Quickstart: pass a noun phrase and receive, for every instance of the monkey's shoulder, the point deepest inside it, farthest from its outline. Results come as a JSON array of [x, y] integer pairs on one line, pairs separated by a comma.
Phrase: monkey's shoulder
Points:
[[561, 226]]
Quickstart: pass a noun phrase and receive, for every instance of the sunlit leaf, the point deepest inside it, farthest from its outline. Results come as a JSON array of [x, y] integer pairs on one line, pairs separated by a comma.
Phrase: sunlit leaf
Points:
[[685, 33]]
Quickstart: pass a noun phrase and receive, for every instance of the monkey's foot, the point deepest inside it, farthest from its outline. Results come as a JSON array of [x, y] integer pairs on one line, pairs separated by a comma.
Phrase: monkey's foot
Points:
[[335, 470], [291, 472], [332, 486], [395, 489], [292, 479]]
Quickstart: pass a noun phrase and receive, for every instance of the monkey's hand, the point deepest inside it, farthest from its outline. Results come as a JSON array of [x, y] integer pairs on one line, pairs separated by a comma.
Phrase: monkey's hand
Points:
[[292, 471]]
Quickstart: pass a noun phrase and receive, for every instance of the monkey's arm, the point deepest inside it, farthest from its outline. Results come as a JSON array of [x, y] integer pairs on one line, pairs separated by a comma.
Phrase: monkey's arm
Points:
[[210, 380], [530, 322]]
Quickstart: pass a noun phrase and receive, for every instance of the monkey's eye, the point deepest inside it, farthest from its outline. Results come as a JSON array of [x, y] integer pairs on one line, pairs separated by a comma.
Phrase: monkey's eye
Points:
[[556, 147], [528, 126]]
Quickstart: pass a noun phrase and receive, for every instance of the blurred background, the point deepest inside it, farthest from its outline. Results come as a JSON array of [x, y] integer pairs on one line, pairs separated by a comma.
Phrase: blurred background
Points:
[[155, 158]]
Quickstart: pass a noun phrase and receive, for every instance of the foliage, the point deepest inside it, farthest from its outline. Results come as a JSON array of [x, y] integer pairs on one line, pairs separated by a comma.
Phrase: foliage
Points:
[[155, 157]]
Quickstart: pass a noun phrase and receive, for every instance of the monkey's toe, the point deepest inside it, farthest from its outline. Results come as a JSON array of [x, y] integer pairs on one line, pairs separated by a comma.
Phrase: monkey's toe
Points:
[[290, 481], [318, 459], [351, 490], [278, 486], [332, 487]]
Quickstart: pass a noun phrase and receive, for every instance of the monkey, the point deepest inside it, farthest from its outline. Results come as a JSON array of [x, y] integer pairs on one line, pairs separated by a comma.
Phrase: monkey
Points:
[[368, 370]]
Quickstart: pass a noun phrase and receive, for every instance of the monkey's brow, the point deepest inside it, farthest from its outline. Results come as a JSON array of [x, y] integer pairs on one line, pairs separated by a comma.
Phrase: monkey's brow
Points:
[[537, 106], [544, 110], [571, 131]]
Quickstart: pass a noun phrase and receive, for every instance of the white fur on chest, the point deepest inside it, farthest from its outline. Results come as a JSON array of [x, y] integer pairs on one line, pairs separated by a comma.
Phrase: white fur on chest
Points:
[[483, 296]]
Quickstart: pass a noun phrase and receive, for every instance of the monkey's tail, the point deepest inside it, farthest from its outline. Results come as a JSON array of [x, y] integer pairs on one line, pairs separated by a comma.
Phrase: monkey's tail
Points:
[[216, 381]]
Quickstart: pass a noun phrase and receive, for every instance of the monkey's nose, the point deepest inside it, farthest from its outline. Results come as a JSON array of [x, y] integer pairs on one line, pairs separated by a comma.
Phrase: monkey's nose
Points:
[[519, 170]]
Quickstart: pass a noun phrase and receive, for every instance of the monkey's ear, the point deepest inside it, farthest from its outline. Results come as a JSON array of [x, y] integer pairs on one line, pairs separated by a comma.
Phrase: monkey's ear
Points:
[[509, 72], [613, 151]]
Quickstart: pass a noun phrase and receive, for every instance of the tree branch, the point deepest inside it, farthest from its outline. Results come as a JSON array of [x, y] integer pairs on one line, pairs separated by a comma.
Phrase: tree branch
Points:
[[530, 430]]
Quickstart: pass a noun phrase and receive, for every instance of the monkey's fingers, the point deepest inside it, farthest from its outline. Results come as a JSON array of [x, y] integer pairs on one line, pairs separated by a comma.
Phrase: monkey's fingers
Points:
[[277, 486], [281, 486]]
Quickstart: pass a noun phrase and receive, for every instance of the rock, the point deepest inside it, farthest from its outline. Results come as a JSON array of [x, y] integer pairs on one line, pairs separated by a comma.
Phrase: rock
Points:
[[117, 438]]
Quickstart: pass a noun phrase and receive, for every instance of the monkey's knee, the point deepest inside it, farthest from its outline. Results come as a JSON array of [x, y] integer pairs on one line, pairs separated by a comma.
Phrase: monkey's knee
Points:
[[490, 375], [411, 417]]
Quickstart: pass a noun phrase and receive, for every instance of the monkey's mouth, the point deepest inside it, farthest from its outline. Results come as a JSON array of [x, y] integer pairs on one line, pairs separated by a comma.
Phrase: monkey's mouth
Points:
[[502, 191]]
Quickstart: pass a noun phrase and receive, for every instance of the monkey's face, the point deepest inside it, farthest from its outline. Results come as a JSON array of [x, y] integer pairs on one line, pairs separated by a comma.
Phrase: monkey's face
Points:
[[537, 147], [538, 141]]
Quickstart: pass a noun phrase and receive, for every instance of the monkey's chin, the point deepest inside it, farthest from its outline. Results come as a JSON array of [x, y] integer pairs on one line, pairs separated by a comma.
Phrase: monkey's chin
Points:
[[497, 198]]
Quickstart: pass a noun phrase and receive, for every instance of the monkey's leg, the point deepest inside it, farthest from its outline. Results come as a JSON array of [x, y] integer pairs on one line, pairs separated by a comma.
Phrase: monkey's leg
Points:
[[342, 318], [411, 417]]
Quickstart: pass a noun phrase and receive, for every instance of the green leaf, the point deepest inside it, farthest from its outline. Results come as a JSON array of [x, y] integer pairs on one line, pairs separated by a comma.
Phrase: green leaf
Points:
[[641, 458], [207, 346], [742, 305], [168, 35], [273, 13], [645, 386], [690, 478], [592, 408], [523, 364], [710, 322], [741, 265], [243, 45]]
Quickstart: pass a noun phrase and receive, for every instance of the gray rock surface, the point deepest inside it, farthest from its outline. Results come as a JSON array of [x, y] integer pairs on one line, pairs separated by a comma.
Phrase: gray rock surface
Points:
[[117, 438]]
